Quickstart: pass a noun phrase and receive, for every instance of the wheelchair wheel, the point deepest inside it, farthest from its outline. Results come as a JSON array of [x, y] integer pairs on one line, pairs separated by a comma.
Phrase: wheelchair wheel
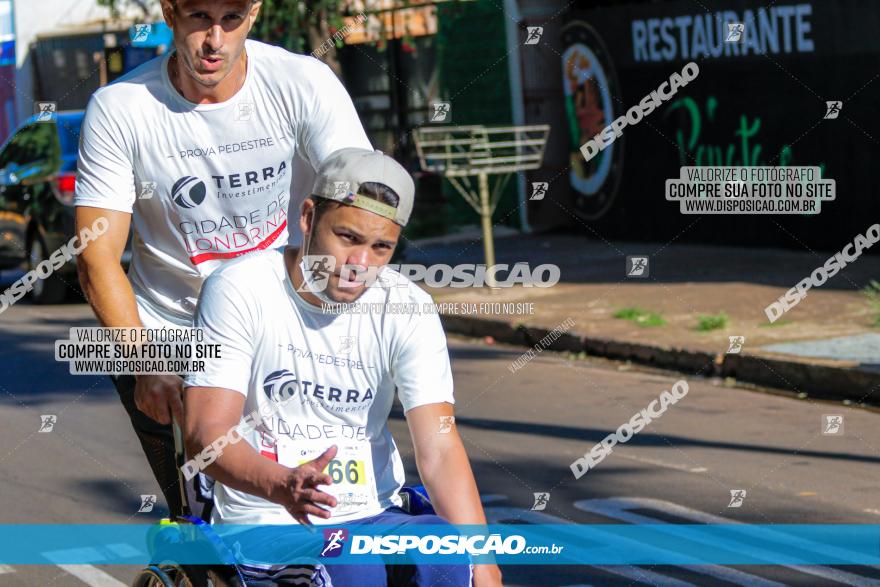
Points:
[[199, 576], [154, 576], [187, 576]]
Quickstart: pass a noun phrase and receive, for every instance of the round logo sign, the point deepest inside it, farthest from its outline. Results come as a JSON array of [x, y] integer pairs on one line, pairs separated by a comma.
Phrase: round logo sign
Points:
[[590, 87], [188, 192], [280, 385]]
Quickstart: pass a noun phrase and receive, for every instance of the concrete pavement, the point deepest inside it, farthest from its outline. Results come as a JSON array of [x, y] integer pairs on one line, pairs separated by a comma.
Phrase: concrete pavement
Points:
[[826, 346], [522, 429]]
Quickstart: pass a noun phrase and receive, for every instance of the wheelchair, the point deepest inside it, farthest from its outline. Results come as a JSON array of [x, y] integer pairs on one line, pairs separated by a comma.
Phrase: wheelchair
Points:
[[169, 535]]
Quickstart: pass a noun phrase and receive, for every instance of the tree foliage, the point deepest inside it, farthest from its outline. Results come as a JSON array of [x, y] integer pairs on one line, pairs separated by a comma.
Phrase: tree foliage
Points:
[[297, 25]]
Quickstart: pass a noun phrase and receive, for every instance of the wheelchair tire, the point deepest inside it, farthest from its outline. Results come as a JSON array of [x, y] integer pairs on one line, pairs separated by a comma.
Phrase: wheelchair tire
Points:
[[188, 576], [153, 577], [210, 576]]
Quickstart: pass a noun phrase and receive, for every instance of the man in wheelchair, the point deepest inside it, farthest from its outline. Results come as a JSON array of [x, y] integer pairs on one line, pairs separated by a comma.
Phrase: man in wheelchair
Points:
[[324, 454]]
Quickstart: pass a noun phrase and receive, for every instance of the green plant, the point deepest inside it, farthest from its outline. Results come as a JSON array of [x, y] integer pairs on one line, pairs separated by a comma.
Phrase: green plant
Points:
[[640, 316], [707, 322], [297, 25], [774, 324], [872, 292]]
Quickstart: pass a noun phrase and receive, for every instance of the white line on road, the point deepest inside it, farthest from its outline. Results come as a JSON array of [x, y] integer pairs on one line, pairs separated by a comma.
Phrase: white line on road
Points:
[[495, 515], [500, 515], [92, 576], [620, 509], [4, 569]]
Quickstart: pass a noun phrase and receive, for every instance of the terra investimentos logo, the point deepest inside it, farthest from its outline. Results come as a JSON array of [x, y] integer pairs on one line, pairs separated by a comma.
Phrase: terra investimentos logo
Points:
[[188, 192], [280, 385]]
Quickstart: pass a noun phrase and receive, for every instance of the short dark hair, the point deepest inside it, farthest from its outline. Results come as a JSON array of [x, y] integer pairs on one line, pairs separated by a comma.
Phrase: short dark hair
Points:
[[371, 189], [251, 3]]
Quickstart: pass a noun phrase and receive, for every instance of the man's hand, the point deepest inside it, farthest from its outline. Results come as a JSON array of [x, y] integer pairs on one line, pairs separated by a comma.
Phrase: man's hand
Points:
[[487, 576], [299, 493], [159, 397]]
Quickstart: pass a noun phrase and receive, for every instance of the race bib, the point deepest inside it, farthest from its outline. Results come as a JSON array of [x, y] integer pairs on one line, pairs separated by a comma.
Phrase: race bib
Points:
[[351, 471]]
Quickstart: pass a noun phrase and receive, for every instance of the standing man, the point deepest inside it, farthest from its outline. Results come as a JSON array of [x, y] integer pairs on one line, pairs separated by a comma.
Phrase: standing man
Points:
[[200, 151]]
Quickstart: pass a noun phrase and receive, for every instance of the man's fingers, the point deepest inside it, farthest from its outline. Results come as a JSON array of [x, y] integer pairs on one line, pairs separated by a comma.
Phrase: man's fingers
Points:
[[316, 496], [176, 403], [316, 511], [310, 499], [174, 393], [302, 513], [322, 461], [159, 413], [315, 478], [300, 517], [159, 400]]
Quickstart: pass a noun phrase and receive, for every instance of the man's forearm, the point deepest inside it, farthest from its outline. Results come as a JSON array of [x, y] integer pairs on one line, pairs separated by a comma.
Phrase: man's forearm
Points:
[[450, 482], [240, 466], [446, 473], [109, 292]]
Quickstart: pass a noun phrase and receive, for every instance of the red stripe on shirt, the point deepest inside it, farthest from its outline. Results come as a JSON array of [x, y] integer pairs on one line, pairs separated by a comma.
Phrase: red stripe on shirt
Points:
[[231, 255]]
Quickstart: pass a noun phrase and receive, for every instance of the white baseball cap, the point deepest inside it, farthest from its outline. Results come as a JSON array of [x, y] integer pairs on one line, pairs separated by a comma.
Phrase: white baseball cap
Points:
[[344, 171]]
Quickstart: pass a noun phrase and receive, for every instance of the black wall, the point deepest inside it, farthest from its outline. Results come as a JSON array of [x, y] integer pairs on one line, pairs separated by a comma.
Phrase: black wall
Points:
[[780, 96]]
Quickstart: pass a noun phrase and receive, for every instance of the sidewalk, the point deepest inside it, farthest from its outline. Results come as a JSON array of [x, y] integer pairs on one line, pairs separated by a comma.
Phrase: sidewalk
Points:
[[825, 346]]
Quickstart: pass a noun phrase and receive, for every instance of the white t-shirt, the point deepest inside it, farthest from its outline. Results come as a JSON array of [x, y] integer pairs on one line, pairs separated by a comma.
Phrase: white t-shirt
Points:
[[222, 176], [322, 378]]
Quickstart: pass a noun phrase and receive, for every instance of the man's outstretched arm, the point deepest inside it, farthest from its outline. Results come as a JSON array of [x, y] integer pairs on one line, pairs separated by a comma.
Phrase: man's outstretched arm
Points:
[[446, 473], [211, 413]]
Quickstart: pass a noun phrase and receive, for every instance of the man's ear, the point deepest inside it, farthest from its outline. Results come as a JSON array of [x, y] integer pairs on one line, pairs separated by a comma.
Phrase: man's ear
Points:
[[254, 13], [168, 13], [307, 213]]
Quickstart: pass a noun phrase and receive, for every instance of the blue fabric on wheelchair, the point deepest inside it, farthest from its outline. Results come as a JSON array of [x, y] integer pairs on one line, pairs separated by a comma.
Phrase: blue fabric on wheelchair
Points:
[[374, 572]]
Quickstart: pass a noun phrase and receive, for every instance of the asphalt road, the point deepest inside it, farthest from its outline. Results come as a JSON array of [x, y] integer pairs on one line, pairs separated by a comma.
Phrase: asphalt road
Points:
[[521, 429]]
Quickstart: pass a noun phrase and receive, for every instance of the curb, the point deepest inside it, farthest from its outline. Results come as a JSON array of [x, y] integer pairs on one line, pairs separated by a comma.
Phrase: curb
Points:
[[817, 380]]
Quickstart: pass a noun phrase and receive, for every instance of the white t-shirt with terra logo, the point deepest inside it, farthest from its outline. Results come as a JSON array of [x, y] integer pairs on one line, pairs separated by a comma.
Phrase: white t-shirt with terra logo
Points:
[[206, 183], [320, 379]]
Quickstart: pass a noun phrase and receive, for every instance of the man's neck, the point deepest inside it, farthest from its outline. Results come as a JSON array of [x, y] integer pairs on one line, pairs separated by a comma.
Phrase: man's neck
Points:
[[200, 94], [292, 258]]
